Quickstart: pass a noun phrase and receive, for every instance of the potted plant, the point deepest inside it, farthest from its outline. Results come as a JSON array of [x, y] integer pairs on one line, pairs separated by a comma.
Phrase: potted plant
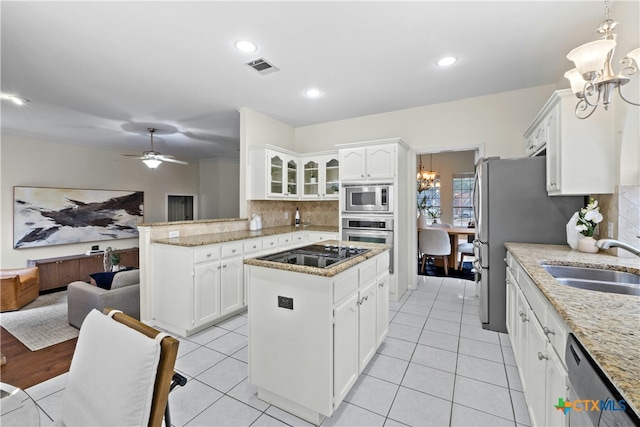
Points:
[[423, 205], [115, 257], [434, 214]]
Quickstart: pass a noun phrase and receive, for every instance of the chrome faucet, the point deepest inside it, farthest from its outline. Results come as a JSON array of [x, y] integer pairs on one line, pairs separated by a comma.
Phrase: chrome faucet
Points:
[[610, 243]]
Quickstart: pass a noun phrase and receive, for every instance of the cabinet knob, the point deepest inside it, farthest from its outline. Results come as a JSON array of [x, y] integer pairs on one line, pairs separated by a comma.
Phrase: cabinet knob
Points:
[[553, 183], [233, 251], [208, 255], [548, 331], [361, 176], [224, 266], [542, 356], [381, 285], [219, 267]]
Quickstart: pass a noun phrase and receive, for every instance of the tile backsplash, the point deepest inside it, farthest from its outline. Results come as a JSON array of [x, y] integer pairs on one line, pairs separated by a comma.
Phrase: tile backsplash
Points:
[[273, 212], [622, 208]]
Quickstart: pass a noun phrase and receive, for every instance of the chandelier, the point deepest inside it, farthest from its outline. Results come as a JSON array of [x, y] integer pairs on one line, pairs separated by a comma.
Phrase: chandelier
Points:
[[426, 179], [593, 80]]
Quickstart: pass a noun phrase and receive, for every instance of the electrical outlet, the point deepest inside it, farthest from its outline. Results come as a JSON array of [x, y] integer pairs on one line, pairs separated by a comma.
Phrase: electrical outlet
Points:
[[286, 215], [610, 230], [285, 302], [174, 234]]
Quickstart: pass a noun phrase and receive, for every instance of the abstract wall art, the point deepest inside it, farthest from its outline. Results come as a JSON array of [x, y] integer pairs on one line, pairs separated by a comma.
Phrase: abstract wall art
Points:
[[57, 216]]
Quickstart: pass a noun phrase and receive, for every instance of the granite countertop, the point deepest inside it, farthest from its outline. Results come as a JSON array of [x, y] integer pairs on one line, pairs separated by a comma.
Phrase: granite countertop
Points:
[[607, 324], [230, 236], [190, 222], [376, 249]]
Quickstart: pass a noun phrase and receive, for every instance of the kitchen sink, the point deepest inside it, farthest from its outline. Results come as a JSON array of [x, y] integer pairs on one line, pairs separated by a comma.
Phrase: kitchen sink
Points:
[[595, 279]]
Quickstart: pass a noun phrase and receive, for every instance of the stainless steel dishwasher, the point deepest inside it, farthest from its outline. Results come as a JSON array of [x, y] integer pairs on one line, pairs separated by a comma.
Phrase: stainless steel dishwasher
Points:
[[589, 383]]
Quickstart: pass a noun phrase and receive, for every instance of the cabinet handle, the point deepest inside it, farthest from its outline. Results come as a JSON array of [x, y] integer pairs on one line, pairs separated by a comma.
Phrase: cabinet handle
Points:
[[548, 331], [381, 285], [365, 298], [224, 266], [523, 316], [233, 251], [553, 183], [542, 356], [359, 302], [209, 255]]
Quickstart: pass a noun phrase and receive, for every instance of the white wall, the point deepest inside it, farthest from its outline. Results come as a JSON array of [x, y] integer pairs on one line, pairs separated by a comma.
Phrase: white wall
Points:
[[37, 163], [257, 129], [219, 188], [497, 120]]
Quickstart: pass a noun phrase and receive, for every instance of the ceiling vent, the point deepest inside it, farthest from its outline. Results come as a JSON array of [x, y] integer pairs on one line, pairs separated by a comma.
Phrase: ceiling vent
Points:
[[262, 66]]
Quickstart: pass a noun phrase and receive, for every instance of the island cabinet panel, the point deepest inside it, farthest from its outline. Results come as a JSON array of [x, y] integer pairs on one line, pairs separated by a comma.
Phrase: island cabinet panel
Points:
[[311, 336]]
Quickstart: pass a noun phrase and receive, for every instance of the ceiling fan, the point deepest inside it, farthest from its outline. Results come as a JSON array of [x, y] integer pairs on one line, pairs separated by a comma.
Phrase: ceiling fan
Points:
[[152, 158]]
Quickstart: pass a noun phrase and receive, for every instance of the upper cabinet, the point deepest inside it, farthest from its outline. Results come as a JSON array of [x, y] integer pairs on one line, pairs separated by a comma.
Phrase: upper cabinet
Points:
[[280, 174], [320, 178], [579, 152], [375, 162]]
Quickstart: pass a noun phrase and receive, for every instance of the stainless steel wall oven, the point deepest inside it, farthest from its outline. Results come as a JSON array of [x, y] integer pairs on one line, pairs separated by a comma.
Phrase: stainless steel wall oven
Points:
[[376, 229]]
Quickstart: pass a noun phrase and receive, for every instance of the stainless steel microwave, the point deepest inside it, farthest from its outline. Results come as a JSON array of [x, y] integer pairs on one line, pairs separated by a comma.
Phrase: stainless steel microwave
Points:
[[375, 198]]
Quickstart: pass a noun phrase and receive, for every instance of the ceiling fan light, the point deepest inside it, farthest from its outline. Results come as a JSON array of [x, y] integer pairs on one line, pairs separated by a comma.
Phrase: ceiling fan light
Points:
[[591, 57], [152, 163], [576, 80]]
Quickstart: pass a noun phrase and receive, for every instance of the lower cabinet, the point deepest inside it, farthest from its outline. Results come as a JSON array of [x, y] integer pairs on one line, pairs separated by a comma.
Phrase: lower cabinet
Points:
[[367, 308], [60, 271], [537, 338], [197, 287]]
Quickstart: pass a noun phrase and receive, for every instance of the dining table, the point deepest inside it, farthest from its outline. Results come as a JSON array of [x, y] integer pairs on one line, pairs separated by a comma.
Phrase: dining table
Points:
[[454, 233]]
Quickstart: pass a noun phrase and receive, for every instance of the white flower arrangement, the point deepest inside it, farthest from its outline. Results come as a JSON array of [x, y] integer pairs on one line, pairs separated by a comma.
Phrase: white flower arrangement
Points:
[[589, 218]]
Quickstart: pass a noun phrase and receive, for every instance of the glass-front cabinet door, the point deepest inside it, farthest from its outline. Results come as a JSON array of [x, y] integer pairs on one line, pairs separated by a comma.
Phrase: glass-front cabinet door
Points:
[[292, 178], [311, 174], [276, 174], [331, 178]]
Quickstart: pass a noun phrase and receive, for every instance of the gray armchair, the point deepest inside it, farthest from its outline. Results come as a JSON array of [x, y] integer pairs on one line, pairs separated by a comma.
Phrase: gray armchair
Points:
[[124, 295]]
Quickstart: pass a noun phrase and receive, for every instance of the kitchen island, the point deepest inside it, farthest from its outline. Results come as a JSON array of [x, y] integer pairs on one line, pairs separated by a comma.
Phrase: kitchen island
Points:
[[313, 330], [606, 324]]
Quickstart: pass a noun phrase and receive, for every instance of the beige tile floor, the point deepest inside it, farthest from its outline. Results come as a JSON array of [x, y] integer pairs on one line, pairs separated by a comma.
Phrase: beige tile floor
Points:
[[437, 367]]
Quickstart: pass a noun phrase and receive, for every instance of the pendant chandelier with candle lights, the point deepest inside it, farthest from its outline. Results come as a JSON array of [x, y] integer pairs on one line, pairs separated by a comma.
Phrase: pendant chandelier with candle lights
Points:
[[426, 179], [593, 80]]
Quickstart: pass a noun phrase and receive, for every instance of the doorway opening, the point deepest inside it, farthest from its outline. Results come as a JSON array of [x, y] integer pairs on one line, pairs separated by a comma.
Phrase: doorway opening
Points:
[[181, 207]]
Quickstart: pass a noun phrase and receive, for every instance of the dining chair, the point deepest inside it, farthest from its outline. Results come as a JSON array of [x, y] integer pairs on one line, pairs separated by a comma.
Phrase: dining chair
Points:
[[464, 249], [121, 373], [434, 243]]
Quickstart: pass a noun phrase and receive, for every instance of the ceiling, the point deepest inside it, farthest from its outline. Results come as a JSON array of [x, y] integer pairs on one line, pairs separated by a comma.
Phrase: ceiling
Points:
[[98, 74]]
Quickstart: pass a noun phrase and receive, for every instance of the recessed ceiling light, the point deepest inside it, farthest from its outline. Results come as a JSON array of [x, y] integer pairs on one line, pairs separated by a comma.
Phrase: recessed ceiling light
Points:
[[446, 61], [313, 93], [245, 46]]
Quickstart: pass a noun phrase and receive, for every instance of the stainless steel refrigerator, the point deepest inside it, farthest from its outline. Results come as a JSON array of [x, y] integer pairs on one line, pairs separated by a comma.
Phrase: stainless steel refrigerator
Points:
[[511, 205]]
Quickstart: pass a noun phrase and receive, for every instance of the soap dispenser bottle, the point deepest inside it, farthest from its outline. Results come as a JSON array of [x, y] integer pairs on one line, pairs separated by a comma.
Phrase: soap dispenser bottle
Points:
[[297, 217]]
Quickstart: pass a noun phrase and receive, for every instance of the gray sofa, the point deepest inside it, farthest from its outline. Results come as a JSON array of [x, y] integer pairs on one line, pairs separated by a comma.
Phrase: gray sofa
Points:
[[124, 295]]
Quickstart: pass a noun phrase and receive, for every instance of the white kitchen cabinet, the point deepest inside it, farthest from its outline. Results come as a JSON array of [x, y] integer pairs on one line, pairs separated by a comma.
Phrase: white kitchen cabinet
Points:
[[206, 301], [382, 299], [320, 177], [232, 285], [319, 236], [273, 174], [345, 353], [375, 162], [538, 338], [368, 339], [579, 153]]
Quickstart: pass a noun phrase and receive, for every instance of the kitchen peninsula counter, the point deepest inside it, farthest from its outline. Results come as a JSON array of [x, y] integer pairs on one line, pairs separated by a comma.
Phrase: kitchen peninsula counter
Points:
[[607, 324], [230, 236]]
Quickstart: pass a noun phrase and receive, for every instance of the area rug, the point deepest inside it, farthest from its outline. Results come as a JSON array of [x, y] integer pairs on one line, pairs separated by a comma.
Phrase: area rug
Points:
[[430, 269], [42, 323]]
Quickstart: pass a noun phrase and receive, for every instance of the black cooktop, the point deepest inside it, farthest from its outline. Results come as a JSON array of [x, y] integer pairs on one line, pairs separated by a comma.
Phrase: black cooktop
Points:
[[321, 256]]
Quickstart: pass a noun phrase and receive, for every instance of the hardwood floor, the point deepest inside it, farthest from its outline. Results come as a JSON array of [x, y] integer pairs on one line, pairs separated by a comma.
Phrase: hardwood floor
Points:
[[25, 368]]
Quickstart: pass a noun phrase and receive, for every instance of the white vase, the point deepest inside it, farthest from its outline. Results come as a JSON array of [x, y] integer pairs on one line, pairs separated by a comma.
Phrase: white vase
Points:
[[588, 245], [422, 221]]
